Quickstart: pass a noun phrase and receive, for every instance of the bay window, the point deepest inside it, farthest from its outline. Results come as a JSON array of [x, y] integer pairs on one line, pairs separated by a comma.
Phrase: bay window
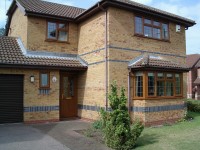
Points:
[[152, 84]]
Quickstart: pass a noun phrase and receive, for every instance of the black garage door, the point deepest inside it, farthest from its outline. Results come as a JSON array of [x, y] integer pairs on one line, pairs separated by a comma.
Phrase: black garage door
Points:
[[11, 98]]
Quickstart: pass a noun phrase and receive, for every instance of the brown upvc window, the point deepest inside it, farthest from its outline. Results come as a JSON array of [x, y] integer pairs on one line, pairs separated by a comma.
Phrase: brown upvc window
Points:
[[44, 80], [151, 84], [150, 28], [57, 31]]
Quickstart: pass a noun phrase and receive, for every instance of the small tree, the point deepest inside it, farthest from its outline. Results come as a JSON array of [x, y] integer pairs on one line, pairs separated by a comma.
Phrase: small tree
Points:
[[119, 134]]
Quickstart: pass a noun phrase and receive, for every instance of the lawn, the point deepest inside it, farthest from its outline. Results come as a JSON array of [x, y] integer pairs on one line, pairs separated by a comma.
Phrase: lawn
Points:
[[181, 136]]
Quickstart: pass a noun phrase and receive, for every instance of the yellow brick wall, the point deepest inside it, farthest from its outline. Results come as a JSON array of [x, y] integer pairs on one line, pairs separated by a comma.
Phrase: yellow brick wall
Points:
[[121, 35], [32, 96], [91, 84], [18, 26], [37, 37]]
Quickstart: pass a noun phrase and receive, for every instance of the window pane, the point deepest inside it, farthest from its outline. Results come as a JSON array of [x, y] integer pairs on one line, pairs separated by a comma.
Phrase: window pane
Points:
[[138, 25], [139, 84], [62, 25], [160, 88], [151, 82], [147, 31], [147, 21], [169, 76], [156, 33], [44, 80], [160, 75], [68, 87], [156, 23], [165, 32], [178, 84], [62, 36], [169, 88], [51, 30]]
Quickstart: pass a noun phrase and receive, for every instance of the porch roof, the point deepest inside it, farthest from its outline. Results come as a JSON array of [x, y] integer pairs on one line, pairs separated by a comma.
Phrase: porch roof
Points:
[[156, 62], [13, 54]]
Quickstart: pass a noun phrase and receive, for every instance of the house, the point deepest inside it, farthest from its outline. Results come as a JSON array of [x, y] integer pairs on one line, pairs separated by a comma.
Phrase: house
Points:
[[58, 61], [193, 76]]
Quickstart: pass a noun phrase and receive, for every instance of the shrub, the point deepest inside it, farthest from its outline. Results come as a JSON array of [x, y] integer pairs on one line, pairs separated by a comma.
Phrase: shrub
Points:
[[97, 124], [118, 132], [193, 105]]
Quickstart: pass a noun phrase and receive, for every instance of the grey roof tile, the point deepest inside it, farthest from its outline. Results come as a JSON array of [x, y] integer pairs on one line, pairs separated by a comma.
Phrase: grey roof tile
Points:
[[12, 53], [49, 8], [149, 61]]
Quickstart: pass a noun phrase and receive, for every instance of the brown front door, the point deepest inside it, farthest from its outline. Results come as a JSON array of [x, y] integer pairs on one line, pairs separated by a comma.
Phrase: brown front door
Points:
[[68, 96]]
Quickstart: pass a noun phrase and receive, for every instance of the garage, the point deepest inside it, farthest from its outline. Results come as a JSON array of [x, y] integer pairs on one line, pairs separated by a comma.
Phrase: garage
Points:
[[11, 98]]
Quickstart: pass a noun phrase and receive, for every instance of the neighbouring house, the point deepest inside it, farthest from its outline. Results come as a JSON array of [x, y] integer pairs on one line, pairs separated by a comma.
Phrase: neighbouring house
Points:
[[58, 61], [193, 76]]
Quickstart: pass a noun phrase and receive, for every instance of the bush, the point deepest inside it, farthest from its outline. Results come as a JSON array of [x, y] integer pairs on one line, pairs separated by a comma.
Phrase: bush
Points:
[[193, 105], [97, 124], [118, 132]]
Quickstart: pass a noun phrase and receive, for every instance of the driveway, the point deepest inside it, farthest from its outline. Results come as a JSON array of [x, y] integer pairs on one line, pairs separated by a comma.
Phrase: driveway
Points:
[[52, 136]]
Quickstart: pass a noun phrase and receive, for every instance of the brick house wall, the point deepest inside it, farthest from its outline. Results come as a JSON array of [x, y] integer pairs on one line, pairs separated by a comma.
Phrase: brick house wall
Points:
[[33, 99], [91, 84], [19, 28], [87, 39], [124, 46]]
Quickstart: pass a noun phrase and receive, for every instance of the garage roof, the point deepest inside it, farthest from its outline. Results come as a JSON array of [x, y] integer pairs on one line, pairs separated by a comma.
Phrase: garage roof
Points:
[[13, 53]]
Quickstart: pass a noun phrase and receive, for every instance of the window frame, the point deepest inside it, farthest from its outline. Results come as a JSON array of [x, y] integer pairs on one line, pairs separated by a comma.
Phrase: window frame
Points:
[[48, 80], [57, 31], [145, 85], [152, 27]]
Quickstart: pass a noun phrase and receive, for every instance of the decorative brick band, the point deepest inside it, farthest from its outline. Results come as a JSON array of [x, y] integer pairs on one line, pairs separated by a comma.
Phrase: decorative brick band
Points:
[[139, 109], [158, 108], [41, 108], [143, 51], [103, 61], [92, 108], [130, 49]]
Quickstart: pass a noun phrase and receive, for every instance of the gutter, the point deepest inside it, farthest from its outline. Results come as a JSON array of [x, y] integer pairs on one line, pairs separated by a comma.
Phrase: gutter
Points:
[[129, 91], [106, 55]]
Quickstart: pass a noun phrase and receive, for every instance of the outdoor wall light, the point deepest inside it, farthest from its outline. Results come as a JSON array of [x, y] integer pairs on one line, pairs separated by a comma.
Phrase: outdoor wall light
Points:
[[32, 78], [54, 79]]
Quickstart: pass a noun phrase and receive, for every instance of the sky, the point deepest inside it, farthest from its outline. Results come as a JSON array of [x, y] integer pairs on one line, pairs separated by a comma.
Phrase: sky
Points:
[[186, 8]]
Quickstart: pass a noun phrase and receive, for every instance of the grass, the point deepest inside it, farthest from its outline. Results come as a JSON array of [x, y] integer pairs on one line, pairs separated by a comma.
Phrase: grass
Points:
[[181, 136]]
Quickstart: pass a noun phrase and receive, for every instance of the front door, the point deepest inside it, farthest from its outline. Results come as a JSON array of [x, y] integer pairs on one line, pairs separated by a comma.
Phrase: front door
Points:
[[68, 96]]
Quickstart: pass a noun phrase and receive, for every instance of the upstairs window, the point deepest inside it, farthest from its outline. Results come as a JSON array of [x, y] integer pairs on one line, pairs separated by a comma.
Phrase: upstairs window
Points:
[[151, 84], [57, 31], [151, 28]]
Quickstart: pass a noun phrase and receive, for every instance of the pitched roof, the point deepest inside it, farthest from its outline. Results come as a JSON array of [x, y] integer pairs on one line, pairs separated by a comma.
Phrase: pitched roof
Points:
[[53, 9], [49, 8], [150, 61], [12, 53], [192, 60], [149, 9], [198, 64]]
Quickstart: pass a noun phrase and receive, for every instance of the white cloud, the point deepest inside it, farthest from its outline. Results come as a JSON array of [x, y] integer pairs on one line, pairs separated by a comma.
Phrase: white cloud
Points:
[[143, 1], [4, 5]]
